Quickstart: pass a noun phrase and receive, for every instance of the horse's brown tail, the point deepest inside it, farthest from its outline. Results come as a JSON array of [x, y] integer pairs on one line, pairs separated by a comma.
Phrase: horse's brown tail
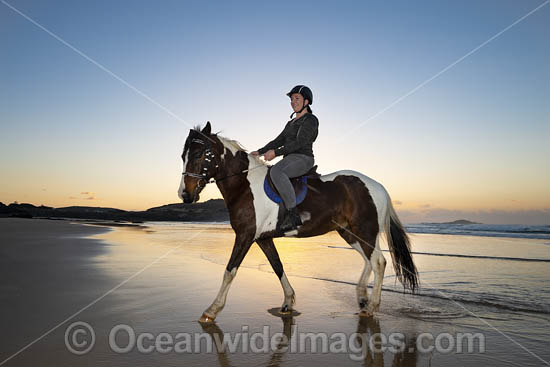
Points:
[[400, 250]]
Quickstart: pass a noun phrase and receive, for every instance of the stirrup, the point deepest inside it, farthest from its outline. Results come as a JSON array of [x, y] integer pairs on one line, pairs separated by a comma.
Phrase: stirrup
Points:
[[291, 220]]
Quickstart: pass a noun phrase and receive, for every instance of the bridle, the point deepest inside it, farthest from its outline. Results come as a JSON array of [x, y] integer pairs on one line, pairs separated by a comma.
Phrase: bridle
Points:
[[210, 159]]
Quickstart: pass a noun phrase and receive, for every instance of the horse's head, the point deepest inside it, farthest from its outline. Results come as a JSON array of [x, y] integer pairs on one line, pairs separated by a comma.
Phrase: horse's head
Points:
[[200, 163]]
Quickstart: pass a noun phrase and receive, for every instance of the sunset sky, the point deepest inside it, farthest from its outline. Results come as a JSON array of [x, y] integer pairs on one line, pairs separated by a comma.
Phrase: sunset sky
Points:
[[399, 94]]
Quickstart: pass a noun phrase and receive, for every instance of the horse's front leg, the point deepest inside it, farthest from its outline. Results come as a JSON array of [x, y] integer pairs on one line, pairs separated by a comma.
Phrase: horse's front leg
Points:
[[240, 248], [268, 247]]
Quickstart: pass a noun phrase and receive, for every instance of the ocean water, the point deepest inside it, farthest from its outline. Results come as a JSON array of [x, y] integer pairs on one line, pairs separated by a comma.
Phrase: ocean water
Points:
[[485, 230]]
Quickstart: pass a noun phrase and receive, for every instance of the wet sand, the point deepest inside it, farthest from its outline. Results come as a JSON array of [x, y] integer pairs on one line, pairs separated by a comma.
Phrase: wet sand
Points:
[[159, 279]]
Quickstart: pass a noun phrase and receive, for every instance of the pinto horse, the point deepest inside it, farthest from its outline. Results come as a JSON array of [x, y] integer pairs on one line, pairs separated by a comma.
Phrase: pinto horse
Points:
[[354, 205]]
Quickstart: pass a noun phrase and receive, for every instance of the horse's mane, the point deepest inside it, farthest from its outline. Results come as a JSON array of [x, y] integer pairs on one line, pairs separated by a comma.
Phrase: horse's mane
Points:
[[233, 145]]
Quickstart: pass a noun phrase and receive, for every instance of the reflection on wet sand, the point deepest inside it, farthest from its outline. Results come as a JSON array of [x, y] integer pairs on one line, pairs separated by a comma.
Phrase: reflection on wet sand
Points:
[[367, 337]]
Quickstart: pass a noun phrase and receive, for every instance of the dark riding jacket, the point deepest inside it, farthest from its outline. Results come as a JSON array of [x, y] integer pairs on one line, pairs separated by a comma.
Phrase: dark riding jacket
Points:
[[297, 137]]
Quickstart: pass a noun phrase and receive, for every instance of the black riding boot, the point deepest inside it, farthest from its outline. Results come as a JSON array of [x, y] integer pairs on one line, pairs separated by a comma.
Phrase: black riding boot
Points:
[[291, 220]]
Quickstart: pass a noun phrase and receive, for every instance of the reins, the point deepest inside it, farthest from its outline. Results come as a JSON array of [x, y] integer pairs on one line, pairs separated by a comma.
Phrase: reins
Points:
[[211, 157]]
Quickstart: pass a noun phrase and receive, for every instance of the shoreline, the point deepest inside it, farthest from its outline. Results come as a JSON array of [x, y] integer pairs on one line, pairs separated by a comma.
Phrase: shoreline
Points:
[[504, 231]]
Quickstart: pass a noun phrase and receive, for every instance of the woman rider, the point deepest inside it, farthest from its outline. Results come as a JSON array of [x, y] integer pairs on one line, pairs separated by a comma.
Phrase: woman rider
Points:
[[295, 144]]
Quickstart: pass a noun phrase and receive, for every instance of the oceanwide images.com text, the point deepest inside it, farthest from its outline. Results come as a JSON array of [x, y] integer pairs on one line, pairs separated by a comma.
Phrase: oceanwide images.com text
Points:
[[80, 339]]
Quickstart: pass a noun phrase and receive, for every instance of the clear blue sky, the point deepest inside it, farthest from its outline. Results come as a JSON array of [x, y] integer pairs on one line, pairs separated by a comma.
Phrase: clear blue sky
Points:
[[473, 142]]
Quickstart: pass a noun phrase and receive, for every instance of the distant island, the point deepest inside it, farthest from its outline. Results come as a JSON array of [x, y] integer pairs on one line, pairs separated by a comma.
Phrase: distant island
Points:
[[460, 221], [213, 210]]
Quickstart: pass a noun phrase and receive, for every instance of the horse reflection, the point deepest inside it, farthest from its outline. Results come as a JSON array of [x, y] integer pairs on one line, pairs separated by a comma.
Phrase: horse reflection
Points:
[[368, 339]]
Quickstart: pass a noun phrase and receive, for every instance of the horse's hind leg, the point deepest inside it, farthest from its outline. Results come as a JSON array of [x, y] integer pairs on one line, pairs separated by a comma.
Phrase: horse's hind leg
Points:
[[362, 292], [361, 289], [379, 266], [268, 247]]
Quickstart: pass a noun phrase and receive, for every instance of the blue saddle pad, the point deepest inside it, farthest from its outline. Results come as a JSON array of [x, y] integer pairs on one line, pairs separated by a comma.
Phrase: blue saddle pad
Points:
[[300, 194]]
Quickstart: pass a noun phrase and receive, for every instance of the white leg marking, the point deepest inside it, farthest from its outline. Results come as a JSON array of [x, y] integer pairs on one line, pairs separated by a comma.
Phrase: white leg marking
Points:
[[378, 263], [290, 297], [219, 301], [361, 289]]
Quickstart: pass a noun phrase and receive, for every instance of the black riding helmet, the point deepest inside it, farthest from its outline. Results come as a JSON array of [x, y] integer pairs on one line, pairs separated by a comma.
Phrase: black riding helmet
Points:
[[306, 93]]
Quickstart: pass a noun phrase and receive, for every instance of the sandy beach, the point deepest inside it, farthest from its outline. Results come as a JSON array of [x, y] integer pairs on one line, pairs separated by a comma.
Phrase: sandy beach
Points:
[[157, 279]]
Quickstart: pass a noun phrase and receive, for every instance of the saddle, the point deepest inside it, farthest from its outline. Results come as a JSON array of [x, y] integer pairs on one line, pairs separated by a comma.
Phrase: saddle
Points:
[[299, 183]]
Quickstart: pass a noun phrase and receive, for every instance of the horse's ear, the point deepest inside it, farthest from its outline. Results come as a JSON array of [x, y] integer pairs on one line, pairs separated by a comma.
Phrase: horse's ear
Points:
[[207, 129]]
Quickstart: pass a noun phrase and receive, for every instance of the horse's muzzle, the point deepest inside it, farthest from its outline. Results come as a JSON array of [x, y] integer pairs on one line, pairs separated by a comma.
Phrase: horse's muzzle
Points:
[[187, 199]]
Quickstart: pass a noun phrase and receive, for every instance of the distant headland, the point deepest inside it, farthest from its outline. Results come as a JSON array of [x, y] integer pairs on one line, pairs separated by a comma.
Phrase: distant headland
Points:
[[460, 221], [209, 211]]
